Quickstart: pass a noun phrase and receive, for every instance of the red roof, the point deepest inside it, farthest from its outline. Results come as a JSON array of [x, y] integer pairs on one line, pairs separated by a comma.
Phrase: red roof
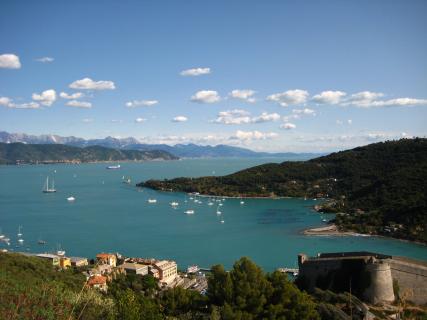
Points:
[[97, 280]]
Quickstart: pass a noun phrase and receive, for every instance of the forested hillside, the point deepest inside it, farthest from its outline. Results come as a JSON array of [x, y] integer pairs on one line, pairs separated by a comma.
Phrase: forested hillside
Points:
[[379, 188]]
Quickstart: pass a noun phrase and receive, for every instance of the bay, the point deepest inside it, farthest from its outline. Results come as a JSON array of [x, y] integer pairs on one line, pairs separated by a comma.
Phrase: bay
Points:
[[110, 216]]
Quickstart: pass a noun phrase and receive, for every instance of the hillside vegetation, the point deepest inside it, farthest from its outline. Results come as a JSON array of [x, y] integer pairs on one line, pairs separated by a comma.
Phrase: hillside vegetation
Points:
[[12, 153], [379, 188]]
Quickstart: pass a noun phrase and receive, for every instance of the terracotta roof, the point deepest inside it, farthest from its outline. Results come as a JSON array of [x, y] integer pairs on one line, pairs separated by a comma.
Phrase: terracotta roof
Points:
[[97, 280], [104, 255]]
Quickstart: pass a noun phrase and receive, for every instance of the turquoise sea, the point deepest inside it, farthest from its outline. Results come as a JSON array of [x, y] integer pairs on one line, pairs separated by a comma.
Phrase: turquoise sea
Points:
[[111, 216]]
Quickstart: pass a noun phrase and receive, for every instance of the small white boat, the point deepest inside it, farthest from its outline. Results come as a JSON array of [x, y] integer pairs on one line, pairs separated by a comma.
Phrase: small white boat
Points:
[[189, 211], [193, 269], [218, 212], [222, 221], [220, 204], [60, 253], [113, 167], [70, 199], [242, 202], [21, 240], [210, 203], [324, 220], [174, 204], [152, 201]]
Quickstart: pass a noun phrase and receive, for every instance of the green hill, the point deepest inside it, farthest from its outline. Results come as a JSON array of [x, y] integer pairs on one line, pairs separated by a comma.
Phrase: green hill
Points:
[[379, 188], [12, 153]]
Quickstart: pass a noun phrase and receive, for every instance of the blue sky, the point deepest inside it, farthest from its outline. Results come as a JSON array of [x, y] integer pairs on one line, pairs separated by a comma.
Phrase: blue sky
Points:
[[268, 75]]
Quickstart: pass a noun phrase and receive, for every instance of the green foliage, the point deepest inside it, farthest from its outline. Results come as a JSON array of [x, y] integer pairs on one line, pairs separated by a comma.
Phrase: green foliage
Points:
[[10, 153], [381, 187], [247, 293]]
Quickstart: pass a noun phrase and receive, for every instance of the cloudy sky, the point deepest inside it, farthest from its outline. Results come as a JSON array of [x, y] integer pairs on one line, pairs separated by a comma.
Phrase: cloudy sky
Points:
[[268, 75]]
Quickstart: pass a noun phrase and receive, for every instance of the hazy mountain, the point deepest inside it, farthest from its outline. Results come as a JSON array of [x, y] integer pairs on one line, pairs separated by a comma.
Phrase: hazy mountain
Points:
[[180, 150], [12, 153]]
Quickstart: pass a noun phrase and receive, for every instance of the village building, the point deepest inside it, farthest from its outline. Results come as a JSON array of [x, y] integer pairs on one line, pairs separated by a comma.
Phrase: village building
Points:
[[50, 257], [135, 268], [64, 262], [78, 262], [106, 258], [98, 282], [167, 270]]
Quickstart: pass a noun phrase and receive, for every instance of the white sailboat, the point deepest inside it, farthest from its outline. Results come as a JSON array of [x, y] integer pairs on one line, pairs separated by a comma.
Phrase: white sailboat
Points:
[[48, 189], [19, 231]]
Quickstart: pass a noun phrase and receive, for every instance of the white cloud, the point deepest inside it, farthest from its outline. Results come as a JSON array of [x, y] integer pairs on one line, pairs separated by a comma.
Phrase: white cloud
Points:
[[288, 126], [179, 119], [140, 120], [253, 135], [67, 96], [240, 116], [45, 59], [266, 117], [329, 97], [290, 97], [9, 61], [46, 98], [235, 116], [399, 102], [116, 121], [141, 103], [89, 84], [195, 72], [87, 120], [206, 96], [350, 122], [5, 101], [79, 104], [305, 111], [245, 94]]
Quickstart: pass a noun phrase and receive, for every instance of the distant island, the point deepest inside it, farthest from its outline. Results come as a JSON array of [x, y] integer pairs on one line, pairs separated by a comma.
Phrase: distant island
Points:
[[20, 153], [189, 150], [377, 189]]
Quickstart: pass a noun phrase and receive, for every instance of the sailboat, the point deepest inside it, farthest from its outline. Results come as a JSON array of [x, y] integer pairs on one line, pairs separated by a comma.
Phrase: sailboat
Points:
[[48, 189], [19, 231]]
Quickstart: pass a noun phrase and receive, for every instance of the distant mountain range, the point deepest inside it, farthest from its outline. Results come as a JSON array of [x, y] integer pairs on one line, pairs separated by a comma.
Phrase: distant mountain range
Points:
[[180, 150], [20, 153]]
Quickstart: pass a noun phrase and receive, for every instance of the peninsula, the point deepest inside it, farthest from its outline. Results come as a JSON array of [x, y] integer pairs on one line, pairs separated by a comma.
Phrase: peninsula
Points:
[[20, 153], [375, 189]]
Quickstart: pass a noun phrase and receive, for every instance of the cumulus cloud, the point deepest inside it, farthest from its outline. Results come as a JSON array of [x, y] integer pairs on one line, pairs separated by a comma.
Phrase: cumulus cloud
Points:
[[305, 111], [290, 97], [288, 126], [79, 104], [89, 84], [87, 120], [399, 102], [45, 59], [9, 61], [206, 96], [8, 103], [245, 95], [240, 116], [140, 120], [350, 122], [141, 103], [235, 116], [253, 135], [195, 72], [329, 97], [46, 98], [179, 119], [266, 117], [67, 96]]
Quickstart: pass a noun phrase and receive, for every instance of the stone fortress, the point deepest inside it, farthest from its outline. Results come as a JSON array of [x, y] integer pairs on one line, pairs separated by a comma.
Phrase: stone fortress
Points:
[[372, 277]]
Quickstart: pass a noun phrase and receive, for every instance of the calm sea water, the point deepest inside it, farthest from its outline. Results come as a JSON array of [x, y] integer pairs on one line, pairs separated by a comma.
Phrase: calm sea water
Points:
[[111, 216]]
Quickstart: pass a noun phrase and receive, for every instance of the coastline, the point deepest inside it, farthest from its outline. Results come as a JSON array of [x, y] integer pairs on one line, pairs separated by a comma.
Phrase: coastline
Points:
[[331, 230]]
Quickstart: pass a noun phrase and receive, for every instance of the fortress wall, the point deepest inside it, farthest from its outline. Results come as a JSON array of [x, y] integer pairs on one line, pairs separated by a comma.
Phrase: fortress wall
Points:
[[411, 277]]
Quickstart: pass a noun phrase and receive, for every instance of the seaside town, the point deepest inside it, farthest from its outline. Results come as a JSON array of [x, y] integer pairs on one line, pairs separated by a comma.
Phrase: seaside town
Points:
[[107, 266]]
